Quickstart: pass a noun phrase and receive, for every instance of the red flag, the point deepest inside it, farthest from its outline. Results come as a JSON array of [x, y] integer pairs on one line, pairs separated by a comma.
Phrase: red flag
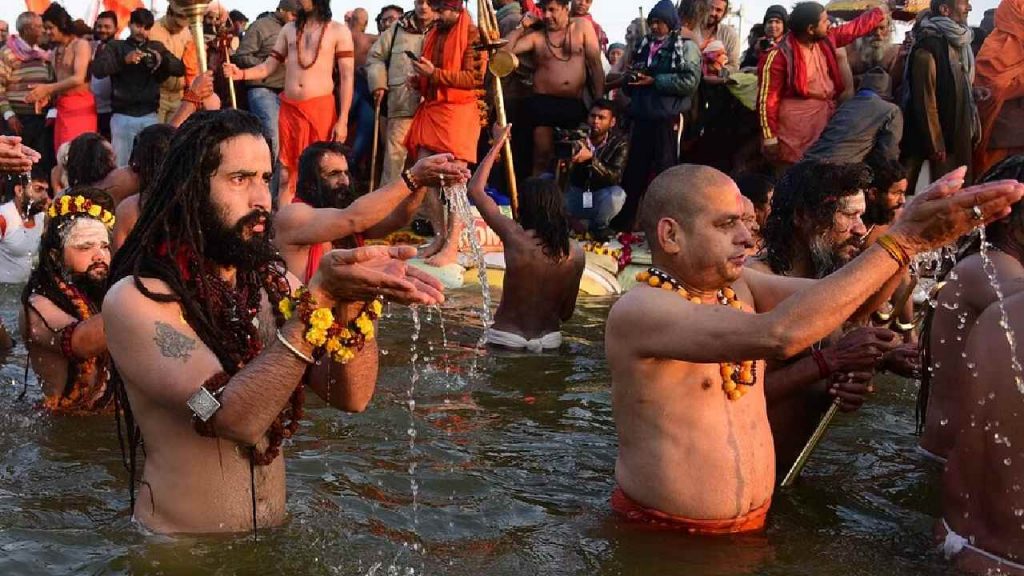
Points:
[[123, 8], [37, 6]]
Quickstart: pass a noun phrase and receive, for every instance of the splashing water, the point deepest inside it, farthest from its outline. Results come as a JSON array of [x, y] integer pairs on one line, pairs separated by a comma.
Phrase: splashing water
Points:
[[457, 197], [1004, 319], [414, 376]]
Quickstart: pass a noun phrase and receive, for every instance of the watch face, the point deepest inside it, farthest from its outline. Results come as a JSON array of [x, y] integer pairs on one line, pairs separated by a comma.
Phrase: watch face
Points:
[[203, 404]]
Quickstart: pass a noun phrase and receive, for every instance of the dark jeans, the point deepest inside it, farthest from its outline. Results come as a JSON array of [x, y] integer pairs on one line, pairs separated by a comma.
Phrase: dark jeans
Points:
[[653, 148], [36, 136], [103, 122]]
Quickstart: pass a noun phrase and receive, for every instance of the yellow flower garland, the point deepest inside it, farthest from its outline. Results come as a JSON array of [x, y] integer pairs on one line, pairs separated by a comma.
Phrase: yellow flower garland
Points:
[[72, 205], [323, 330]]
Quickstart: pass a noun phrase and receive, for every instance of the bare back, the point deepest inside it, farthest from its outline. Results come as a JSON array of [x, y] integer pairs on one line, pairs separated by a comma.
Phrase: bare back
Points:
[[362, 43], [538, 293], [982, 496], [309, 65], [966, 294], [684, 447]]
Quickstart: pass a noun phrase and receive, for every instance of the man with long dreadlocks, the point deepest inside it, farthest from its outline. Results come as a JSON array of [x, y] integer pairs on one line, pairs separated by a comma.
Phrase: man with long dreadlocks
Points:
[[61, 320], [964, 292], [214, 342], [327, 212], [814, 229], [308, 48]]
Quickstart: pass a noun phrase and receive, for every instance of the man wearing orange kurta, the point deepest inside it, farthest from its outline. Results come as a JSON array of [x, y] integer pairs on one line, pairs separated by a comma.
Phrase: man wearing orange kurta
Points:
[[450, 73], [1000, 69]]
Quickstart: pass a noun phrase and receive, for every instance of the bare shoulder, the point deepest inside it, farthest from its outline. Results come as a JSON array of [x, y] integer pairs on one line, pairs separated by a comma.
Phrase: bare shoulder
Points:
[[583, 25], [341, 32], [51, 315], [125, 300], [128, 208], [759, 265]]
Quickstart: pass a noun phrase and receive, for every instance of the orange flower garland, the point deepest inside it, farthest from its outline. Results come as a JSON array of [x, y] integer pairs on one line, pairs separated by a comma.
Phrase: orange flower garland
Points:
[[737, 378]]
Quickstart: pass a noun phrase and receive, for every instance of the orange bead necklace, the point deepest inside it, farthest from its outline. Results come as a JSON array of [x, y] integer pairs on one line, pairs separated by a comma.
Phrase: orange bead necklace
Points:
[[737, 377]]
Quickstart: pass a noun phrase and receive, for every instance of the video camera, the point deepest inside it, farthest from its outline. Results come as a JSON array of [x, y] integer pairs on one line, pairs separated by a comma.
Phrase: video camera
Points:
[[568, 142]]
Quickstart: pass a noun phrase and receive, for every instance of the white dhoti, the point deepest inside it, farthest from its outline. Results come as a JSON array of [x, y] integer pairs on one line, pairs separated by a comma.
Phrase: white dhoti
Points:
[[510, 340], [955, 544]]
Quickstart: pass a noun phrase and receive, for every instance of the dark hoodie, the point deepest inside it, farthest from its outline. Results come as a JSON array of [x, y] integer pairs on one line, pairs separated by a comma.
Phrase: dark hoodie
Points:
[[675, 68]]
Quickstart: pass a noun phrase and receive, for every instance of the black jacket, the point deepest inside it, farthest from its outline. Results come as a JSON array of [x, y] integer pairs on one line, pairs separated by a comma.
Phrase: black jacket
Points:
[[605, 169], [135, 88]]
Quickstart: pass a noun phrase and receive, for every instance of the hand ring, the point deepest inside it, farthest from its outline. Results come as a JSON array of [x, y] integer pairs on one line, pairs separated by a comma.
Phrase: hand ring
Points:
[[976, 213]]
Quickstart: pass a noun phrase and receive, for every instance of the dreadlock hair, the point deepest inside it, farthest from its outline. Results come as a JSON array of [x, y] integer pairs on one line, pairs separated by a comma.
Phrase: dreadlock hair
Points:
[[542, 209], [811, 189], [148, 153], [90, 159], [321, 13], [56, 14], [1011, 168], [308, 186], [170, 222], [44, 277]]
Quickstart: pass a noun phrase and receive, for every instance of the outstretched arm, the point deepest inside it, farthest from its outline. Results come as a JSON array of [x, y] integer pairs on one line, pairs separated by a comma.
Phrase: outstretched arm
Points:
[[276, 58]]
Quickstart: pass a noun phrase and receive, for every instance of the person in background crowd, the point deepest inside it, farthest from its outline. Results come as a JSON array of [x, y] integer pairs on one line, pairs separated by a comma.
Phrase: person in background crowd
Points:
[[753, 52], [136, 67], [759, 189], [1000, 66], [666, 69], [581, 9], [103, 31], [21, 227], [595, 195], [713, 29], [863, 127], [61, 321], [151, 146], [388, 68], [941, 116], [23, 64], [4, 31], [76, 107], [801, 80], [616, 51], [387, 16], [362, 104], [239, 22], [876, 50], [256, 46], [776, 25], [172, 31]]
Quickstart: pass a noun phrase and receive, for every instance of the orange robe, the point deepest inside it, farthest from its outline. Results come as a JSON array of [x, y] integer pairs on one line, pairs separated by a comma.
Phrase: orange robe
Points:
[[76, 114], [448, 120], [632, 510], [301, 123], [1000, 68]]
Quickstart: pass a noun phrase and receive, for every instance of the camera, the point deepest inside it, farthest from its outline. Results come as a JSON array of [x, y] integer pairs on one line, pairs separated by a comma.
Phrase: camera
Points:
[[764, 44], [568, 142], [149, 59], [633, 75]]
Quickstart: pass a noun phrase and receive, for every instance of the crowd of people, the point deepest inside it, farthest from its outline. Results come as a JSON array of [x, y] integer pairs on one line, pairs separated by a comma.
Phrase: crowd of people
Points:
[[200, 248]]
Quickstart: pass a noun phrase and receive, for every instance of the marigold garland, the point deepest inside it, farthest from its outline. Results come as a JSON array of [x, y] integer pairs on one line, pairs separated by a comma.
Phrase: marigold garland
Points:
[[80, 205], [737, 378], [323, 330], [87, 387]]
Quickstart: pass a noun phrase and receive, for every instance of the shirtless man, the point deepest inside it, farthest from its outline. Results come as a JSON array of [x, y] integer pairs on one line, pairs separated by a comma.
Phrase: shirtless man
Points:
[[566, 53], [309, 48], [76, 107], [174, 329], [694, 451], [357, 22], [964, 294], [60, 320], [981, 496], [326, 212], [543, 266]]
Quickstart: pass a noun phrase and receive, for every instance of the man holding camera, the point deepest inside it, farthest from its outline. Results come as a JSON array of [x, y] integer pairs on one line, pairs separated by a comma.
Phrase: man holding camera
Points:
[[594, 195], [137, 67]]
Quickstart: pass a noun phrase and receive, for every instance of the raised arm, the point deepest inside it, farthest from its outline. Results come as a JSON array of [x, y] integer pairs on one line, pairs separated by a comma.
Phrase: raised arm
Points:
[[476, 188], [276, 58], [46, 322], [344, 54]]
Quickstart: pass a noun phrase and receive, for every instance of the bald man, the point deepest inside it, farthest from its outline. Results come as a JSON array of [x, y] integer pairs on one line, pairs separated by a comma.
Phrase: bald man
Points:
[[695, 448]]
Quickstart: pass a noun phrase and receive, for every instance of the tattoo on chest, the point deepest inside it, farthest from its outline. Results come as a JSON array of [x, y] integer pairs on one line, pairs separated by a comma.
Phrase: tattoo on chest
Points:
[[173, 344]]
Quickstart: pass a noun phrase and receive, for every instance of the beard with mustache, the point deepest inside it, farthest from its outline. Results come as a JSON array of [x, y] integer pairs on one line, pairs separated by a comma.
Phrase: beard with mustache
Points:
[[92, 282], [825, 255], [872, 52], [879, 213], [238, 245]]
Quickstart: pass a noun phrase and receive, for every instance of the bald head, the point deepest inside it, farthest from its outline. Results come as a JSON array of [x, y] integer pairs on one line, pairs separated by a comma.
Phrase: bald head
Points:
[[681, 193], [360, 18]]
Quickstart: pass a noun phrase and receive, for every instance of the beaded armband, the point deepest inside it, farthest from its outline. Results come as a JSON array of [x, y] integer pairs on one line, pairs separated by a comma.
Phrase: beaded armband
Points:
[[323, 330]]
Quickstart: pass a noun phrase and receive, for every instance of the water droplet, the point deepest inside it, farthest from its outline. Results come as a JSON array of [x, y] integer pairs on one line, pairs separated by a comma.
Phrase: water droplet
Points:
[[1007, 461], [944, 421]]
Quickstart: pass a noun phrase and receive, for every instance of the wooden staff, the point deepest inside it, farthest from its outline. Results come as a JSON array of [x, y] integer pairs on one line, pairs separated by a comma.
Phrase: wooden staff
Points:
[[376, 143], [819, 432]]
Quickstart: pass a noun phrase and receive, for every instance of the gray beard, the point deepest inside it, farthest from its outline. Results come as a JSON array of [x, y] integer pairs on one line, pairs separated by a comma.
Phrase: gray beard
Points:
[[871, 53], [823, 257]]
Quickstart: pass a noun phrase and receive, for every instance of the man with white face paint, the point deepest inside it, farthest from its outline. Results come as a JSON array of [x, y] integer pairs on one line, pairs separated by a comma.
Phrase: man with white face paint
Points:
[[61, 321], [814, 229]]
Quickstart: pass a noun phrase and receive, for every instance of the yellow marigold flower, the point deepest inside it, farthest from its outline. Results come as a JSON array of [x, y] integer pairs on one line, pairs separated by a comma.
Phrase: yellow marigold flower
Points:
[[344, 355], [65, 201], [376, 306], [345, 334], [333, 345], [316, 337], [321, 318], [287, 308], [95, 211], [80, 201], [52, 212], [365, 325]]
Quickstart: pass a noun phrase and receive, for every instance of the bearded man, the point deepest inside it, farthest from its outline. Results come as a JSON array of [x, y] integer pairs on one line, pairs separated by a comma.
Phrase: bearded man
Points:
[[695, 449], [212, 353], [103, 31], [884, 197], [874, 50], [327, 213], [21, 227], [61, 321], [801, 80], [311, 48]]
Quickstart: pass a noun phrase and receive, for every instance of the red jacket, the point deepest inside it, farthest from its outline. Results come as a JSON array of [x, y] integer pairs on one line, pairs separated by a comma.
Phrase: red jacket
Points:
[[783, 74]]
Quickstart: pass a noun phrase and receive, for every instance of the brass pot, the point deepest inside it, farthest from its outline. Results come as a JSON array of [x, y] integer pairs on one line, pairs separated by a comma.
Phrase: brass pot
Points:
[[502, 63]]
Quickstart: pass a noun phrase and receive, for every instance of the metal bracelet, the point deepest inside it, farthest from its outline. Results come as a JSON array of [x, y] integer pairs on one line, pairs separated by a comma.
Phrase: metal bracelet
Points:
[[291, 348]]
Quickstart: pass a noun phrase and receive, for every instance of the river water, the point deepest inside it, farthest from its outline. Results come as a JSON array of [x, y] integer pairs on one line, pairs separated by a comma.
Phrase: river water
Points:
[[514, 455]]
